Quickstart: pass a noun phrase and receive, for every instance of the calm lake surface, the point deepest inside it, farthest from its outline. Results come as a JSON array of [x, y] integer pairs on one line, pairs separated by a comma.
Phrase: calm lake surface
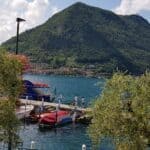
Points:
[[70, 137], [70, 86]]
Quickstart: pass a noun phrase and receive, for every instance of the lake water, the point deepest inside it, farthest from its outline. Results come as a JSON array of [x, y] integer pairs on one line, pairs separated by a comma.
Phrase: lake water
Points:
[[70, 137], [70, 86]]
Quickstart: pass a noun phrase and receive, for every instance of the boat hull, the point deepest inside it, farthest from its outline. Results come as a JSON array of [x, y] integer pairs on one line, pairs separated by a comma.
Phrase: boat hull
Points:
[[53, 120]]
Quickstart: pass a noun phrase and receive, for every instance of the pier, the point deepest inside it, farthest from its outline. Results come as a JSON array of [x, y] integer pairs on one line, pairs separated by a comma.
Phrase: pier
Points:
[[62, 106]]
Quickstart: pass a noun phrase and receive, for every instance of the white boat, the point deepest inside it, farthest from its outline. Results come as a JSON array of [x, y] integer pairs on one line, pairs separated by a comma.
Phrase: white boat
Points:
[[24, 111]]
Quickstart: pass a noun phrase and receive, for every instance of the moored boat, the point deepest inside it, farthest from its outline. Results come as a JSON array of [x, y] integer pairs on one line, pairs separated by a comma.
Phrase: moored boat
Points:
[[36, 113], [24, 111], [32, 92], [55, 119]]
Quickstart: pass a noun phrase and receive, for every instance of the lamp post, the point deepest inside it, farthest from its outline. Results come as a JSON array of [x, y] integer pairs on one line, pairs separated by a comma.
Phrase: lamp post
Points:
[[18, 22]]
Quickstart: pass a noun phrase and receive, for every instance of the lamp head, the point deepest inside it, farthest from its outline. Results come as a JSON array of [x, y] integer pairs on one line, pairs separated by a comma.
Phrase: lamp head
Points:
[[20, 19]]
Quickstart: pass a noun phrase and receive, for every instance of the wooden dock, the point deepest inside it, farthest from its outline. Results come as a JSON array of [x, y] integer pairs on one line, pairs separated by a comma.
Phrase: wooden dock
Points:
[[62, 106]]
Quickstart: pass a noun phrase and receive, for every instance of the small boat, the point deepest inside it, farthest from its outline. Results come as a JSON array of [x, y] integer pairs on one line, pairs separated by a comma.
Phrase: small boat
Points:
[[84, 119], [24, 111], [32, 92], [36, 113], [55, 119]]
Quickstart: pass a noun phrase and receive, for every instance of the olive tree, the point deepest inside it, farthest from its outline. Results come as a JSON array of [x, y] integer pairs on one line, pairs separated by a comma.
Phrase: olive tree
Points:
[[122, 113], [10, 87]]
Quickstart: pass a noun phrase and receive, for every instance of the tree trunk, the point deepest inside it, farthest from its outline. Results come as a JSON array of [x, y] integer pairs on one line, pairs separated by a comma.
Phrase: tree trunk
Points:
[[9, 140]]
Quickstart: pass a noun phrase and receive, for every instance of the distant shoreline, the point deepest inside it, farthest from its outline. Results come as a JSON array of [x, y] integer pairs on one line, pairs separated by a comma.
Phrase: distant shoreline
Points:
[[69, 71]]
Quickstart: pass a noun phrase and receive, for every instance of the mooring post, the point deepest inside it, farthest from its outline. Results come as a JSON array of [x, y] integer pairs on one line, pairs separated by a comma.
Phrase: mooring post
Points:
[[42, 105], [83, 147], [32, 145], [26, 104]]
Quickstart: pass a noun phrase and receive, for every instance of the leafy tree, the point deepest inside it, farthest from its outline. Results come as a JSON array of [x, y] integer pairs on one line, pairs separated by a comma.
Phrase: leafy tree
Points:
[[122, 112], [71, 62], [10, 87], [58, 61], [8, 123], [10, 80]]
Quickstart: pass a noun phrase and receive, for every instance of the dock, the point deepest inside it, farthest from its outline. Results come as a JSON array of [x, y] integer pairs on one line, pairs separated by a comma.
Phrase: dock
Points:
[[62, 106]]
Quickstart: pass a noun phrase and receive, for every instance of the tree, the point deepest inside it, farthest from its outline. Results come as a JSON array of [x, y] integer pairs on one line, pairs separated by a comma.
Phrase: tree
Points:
[[122, 112], [10, 79], [10, 88], [8, 123], [58, 61]]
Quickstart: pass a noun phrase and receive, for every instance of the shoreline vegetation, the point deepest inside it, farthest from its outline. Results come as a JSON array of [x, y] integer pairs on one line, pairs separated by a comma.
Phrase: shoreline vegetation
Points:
[[69, 71], [90, 71]]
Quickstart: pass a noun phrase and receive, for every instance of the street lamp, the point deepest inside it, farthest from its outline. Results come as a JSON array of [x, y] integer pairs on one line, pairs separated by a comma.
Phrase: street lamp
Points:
[[18, 21]]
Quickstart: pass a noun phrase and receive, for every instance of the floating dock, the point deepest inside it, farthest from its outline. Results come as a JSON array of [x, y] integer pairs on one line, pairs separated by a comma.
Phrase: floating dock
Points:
[[62, 106]]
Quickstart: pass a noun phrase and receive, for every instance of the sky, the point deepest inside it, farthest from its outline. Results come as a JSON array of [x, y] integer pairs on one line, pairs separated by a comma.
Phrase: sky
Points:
[[36, 12]]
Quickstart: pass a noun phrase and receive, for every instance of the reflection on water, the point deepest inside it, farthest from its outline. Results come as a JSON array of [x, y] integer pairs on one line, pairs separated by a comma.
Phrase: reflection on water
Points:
[[70, 137]]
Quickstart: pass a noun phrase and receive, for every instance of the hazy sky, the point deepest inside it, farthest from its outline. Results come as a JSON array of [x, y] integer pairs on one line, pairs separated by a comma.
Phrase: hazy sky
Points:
[[38, 11]]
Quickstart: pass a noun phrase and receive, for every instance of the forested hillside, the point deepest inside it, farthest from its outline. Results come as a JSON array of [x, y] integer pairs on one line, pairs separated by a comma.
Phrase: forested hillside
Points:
[[83, 36]]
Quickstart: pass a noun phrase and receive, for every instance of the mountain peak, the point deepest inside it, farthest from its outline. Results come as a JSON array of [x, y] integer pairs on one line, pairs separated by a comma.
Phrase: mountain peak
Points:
[[83, 35], [79, 4]]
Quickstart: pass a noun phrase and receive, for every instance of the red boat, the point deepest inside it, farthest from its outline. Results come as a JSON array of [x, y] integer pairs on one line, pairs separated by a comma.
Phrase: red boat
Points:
[[37, 112], [55, 119]]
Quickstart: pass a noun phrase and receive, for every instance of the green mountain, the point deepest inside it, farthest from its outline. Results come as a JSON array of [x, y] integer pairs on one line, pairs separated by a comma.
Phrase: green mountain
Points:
[[83, 36]]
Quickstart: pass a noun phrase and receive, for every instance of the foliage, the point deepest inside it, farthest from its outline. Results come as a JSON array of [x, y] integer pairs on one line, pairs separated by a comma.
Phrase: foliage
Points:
[[23, 60], [10, 70], [10, 88], [58, 61], [122, 112], [8, 123], [92, 36]]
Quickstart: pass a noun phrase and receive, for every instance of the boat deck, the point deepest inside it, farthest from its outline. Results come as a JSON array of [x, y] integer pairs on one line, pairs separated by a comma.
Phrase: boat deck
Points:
[[62, 106]]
